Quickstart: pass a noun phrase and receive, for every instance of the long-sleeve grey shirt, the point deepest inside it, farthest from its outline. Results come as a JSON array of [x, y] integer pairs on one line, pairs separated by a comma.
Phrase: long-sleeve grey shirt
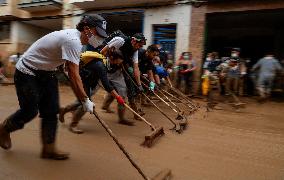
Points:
[[267, 66]]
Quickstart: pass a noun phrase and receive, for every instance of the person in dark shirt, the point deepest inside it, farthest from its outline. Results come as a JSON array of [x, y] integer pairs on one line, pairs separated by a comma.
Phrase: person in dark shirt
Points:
[[163, 55], [128, 48], [146, 65], [92, 69]]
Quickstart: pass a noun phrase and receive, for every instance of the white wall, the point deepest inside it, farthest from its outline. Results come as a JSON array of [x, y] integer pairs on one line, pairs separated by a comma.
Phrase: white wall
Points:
[[22, 33], [179, 14]]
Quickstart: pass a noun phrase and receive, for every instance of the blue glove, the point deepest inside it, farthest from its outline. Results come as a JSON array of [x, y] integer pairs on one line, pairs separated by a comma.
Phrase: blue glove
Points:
[[152, 86]]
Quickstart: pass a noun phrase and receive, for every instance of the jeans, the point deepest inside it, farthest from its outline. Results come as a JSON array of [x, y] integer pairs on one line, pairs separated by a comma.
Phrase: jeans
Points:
[[36, 94], [188, 77], [265, 84]]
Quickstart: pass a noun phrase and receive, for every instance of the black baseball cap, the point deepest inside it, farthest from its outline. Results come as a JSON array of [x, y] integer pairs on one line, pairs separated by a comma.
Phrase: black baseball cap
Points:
[[139, 37], [94, 20]]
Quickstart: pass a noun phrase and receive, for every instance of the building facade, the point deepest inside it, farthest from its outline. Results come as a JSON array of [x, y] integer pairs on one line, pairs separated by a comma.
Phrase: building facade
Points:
[[23, 22], [165, 22], [255, 26]]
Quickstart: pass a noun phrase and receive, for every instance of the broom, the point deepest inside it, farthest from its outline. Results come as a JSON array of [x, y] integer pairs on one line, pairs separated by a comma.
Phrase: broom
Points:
[[177, 126], [191, 108], [179, 116], [184, 97], [163, 175], [156, 132], [179, 110]]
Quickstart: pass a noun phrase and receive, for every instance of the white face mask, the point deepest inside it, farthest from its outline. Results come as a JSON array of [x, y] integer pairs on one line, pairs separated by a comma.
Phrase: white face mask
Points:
[[186, 57], [234, 55], [208, 59], [95, 41]]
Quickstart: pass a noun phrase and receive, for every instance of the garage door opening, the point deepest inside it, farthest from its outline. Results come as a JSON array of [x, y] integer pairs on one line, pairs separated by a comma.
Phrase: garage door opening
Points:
[[255, 32], [129, 22]]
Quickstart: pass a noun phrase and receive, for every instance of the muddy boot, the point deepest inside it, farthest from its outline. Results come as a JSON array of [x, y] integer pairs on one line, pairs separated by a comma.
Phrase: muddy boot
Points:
[[5, 140], [68, 108], [74, 129], [108, 100], [62, 112], [77, 116], [122, 120], [107, 110], [141, 112], [134, 107], [49, 152]]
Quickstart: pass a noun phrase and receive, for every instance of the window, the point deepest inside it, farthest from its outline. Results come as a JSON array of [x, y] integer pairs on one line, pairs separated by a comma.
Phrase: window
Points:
[[5, 31], [3, 2]]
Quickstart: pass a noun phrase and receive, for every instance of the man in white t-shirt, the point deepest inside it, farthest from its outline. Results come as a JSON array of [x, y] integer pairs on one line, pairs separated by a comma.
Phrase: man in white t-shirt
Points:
[[37, 86]]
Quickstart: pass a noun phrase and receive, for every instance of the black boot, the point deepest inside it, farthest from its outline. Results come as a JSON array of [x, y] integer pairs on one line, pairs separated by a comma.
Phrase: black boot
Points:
[[62, 112], [48, 138], [5, 140], [49, 152]]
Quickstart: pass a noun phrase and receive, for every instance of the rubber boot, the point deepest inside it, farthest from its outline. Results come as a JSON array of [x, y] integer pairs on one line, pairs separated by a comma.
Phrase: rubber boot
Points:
[[121, 116], [69, 108], [77, 116], [62, 112], [134, 107], [108, 100], [50, 152], [48, 137], [5, 140]]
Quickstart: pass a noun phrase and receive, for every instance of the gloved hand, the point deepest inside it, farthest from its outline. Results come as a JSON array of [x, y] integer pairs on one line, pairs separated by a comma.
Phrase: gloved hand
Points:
[[88, 105], [152, 86], [130, 70], [176, 67], [120, 100], [140, 89]]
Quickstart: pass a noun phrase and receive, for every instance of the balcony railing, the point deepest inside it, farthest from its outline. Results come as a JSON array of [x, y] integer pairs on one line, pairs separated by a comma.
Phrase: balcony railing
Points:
[[105, 4], [40, 5], [3, 2]]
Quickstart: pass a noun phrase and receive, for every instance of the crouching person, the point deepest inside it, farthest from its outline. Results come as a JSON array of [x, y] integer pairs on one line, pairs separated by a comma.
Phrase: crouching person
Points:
[[116, 78], [92, 70]]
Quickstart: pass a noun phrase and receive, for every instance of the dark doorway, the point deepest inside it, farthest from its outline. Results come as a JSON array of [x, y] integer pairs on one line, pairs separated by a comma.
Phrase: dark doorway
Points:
[[255, 32], [165, 35], [129, 22]]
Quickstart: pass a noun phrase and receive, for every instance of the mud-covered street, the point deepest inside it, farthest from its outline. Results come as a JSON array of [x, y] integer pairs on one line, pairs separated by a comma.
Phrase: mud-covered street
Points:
[[222, 144]]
